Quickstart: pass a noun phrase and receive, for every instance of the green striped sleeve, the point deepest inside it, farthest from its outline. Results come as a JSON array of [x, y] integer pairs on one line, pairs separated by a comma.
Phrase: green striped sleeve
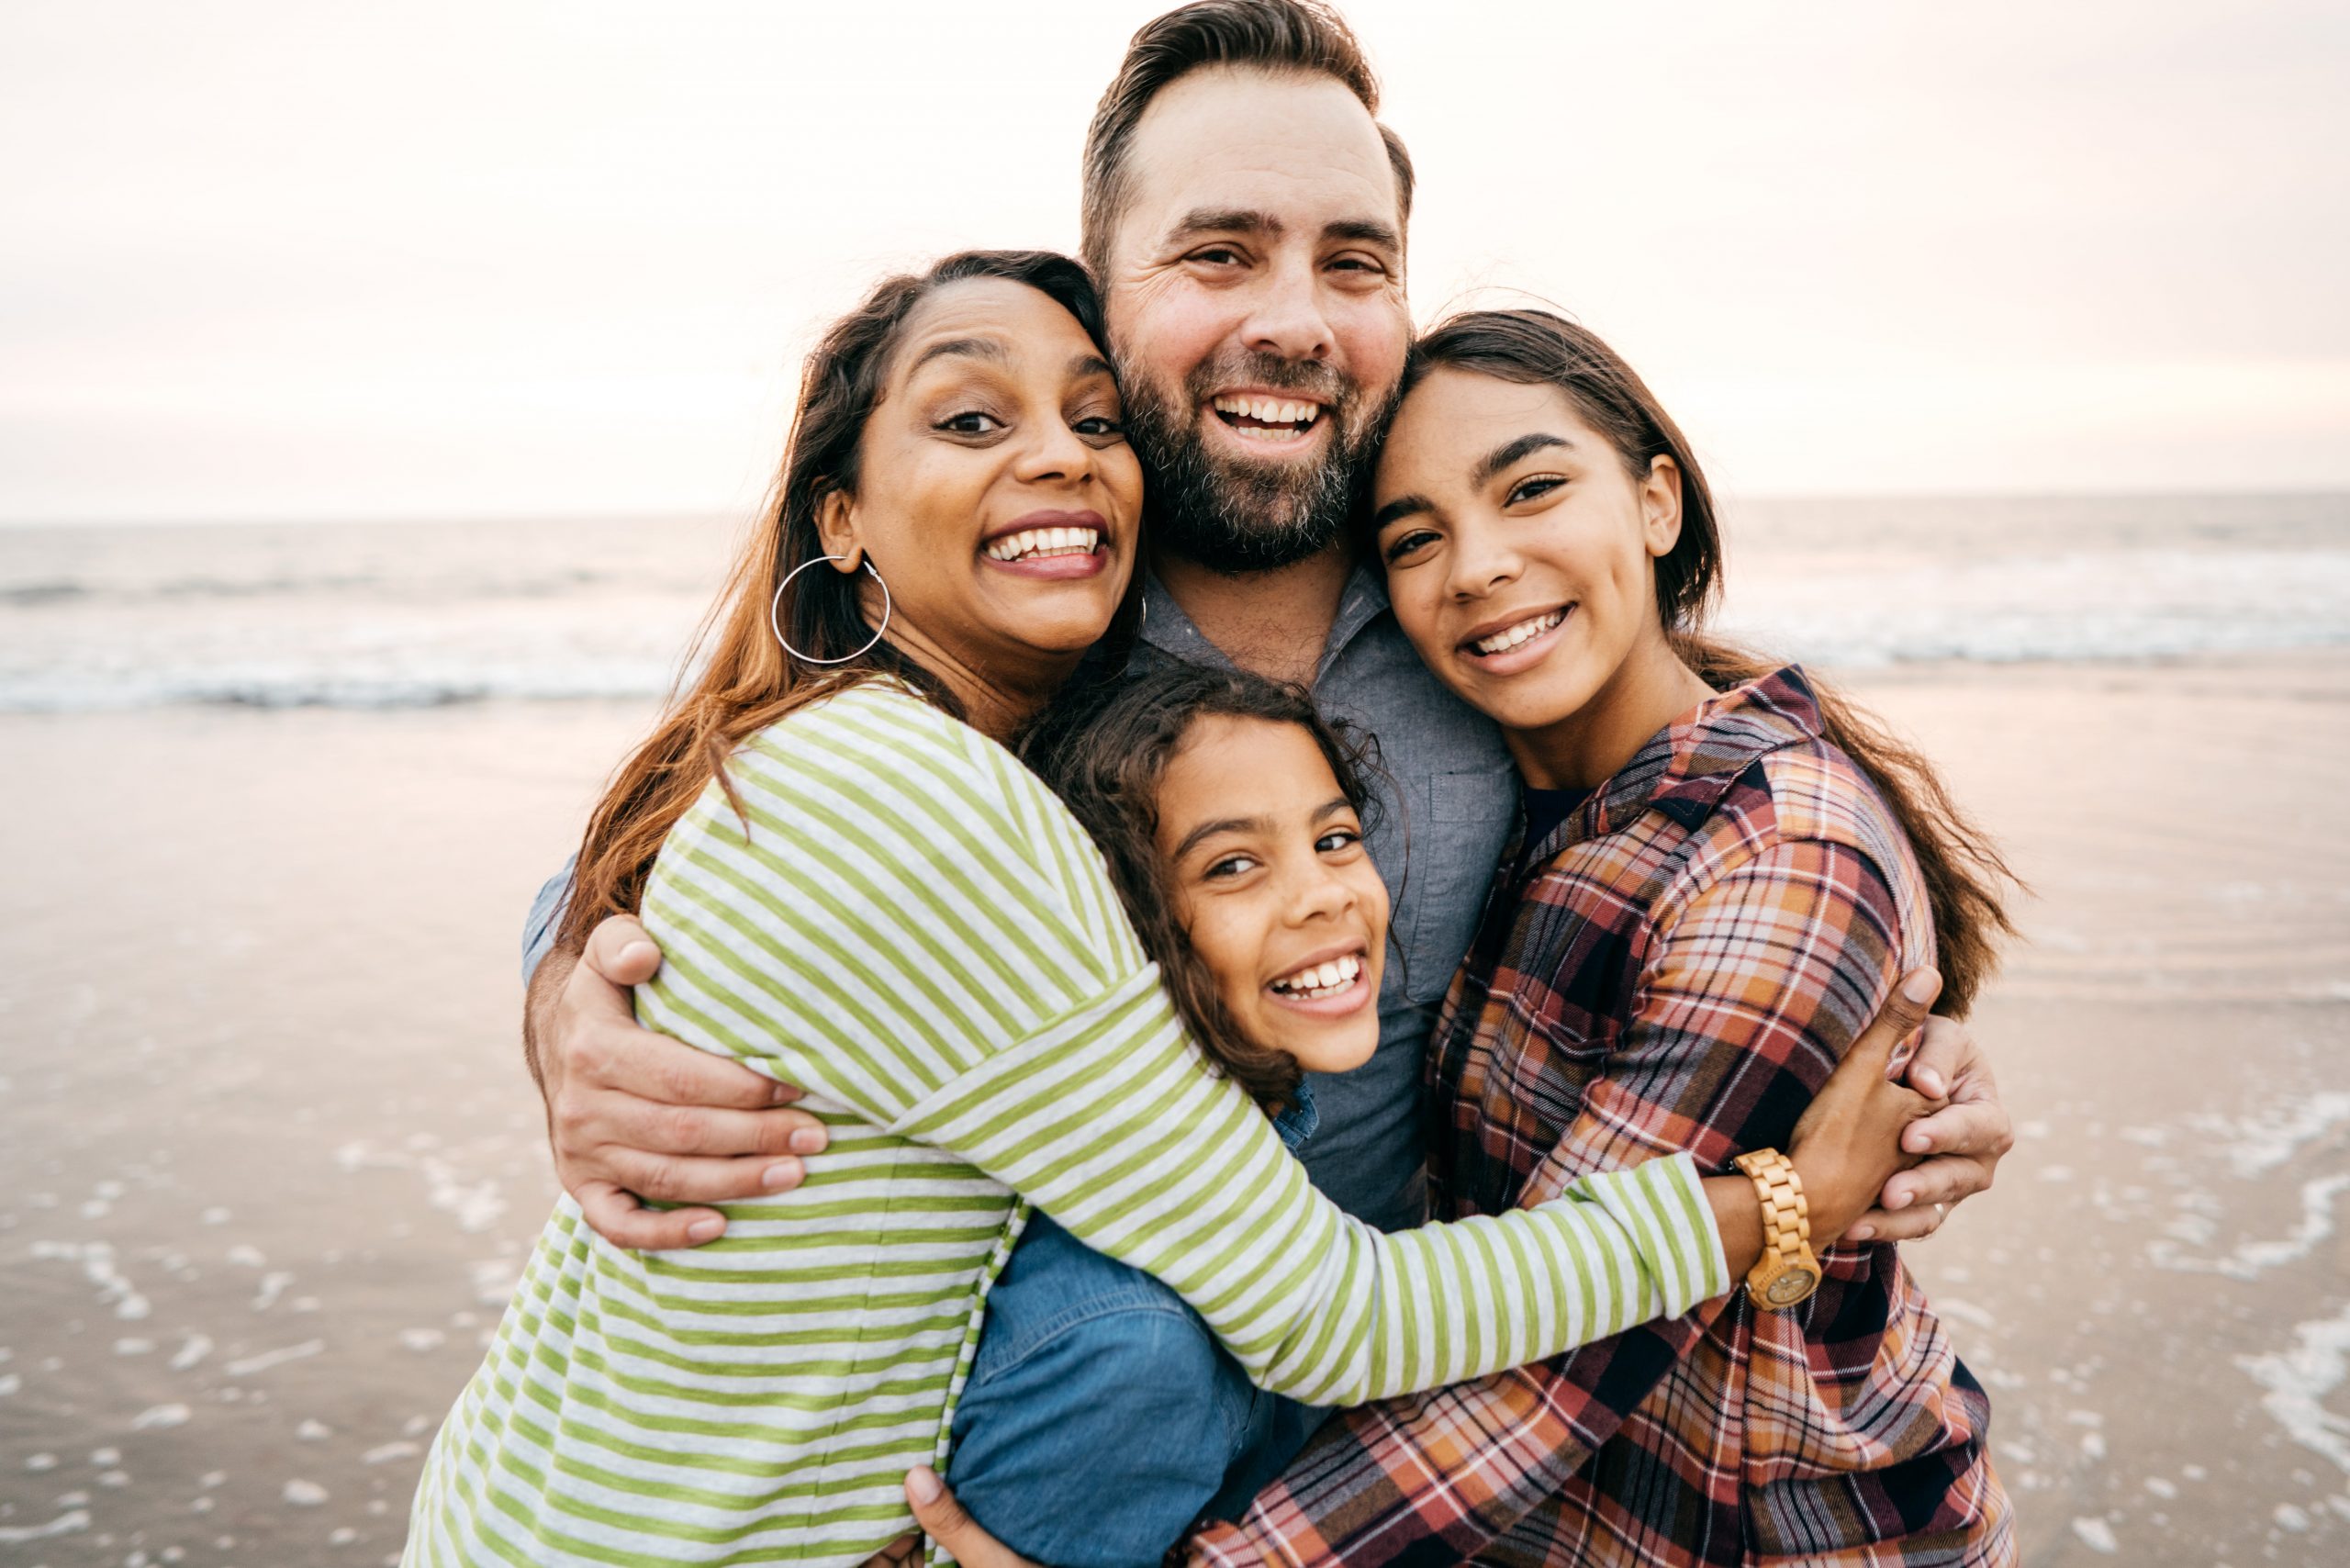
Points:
[[1106, 1121]]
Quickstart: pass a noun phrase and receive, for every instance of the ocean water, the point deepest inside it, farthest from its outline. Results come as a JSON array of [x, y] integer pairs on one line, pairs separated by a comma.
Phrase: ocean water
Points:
[[410, 615]]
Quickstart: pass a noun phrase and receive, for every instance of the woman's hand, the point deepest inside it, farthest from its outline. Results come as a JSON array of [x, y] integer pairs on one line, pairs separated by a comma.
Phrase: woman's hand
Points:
[[1849, 1143]]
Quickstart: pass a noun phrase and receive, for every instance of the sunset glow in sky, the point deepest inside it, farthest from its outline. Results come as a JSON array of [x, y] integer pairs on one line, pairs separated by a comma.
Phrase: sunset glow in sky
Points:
[[283, 260]]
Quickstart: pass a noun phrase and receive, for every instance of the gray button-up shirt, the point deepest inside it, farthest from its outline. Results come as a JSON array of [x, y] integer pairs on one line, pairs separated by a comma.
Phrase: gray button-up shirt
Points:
[[1447, 801]]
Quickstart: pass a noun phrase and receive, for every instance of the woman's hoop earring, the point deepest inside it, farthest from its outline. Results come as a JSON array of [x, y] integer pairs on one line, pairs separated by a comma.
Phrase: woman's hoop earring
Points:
[[775, 613]]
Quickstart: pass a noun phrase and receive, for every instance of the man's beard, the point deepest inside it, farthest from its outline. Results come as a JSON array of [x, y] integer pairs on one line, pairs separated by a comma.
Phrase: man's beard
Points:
[[1232, 514]]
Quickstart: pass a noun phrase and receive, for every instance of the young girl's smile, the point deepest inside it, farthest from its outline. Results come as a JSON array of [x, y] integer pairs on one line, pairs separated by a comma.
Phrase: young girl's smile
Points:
[[1271, 879]]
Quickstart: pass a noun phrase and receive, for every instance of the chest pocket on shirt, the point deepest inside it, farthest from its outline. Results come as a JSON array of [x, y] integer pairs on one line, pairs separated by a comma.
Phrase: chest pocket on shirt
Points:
[[1458, 825]]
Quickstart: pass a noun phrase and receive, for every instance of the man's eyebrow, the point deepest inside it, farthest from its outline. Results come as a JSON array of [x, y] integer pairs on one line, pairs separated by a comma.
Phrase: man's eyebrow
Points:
[[1510, 451], [1224, 220], [1369, 231], [970, 348], [1192, 839]]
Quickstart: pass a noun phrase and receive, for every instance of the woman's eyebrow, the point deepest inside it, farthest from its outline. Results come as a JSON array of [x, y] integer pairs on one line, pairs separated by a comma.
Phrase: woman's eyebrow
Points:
[[988, 349], [1331, 809], [1087, 364]]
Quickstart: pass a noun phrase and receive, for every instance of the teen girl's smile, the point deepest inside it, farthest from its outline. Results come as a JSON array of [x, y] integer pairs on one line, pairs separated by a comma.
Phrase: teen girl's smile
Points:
[[1520, 553], [1274, 887]]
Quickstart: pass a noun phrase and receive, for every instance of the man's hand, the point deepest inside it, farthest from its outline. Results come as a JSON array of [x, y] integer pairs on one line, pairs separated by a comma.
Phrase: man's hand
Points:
[[946, 1523], [1963, 1142], [635, 1116]]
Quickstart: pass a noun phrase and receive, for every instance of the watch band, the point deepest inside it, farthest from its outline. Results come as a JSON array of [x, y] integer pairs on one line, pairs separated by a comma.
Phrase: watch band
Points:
[[1786, 1214], [1787, 1272]]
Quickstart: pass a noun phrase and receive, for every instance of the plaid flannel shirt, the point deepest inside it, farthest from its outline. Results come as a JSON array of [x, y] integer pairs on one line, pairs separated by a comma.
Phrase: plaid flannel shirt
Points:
[[1678, 965]]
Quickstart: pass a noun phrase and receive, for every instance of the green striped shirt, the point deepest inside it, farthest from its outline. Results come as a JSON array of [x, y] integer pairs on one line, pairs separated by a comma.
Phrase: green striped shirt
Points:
[[915, 931]]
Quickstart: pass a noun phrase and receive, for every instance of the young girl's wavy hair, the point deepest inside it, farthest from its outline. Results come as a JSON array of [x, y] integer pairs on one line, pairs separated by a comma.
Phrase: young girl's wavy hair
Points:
[[1105, 749]]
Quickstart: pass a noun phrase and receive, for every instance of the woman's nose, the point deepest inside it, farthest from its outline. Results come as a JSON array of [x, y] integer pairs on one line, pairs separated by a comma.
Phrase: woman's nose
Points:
[[1056, 452]]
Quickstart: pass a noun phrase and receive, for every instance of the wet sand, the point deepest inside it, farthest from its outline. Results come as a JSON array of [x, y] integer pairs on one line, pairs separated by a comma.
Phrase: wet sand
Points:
[[271, 1160]]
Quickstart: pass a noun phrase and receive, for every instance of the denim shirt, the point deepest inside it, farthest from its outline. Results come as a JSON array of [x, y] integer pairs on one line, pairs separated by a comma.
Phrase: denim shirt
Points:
[[1102, 1417], [1446, 803]]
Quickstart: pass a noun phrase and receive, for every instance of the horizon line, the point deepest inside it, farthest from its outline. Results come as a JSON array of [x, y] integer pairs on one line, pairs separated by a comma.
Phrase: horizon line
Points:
[[699, 515]]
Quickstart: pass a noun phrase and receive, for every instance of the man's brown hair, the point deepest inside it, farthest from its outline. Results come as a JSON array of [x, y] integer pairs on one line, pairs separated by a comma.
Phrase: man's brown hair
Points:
[[1294, 38]]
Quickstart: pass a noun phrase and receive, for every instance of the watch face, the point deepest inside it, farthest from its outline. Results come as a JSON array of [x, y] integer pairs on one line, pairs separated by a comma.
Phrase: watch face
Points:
[[1791, 1287]]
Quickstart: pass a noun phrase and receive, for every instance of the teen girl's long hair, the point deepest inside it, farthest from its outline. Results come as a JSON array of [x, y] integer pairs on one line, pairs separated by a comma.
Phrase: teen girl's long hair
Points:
[[1962, 865], [745, 680]]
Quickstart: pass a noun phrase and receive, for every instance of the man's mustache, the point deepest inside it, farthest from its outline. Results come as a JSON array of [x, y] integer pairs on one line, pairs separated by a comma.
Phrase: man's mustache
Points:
[[1274, 374]]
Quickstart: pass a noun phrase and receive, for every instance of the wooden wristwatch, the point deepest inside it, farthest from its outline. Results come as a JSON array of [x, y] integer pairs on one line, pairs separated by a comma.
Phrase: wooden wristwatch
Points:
[[1788, 1272]]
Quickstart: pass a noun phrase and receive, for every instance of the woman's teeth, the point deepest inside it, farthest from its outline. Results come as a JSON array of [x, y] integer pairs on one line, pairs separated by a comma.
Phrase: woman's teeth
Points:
[[1037, 543], [1267, 419], [1321, 980], [1502, 641]]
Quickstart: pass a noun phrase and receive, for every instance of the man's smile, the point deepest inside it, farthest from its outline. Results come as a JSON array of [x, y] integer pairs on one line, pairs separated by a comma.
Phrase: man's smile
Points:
[[1269, 419]]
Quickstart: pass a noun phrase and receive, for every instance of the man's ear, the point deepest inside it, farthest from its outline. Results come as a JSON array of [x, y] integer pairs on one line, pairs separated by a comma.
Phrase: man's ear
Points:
[[1661, 506], [836, 528]]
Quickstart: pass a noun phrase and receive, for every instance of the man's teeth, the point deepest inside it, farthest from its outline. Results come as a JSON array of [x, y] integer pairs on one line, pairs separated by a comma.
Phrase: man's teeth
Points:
[[1502, 641], [1036, 542], [1322, 979], [1269, 419]]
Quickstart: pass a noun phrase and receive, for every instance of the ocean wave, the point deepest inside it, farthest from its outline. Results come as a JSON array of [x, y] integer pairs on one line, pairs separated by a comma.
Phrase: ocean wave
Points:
[[42, 592], [391, 586], [299, 688]]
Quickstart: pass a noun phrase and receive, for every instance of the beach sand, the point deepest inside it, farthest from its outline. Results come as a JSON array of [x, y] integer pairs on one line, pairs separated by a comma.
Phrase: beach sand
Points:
[[271, 1159]]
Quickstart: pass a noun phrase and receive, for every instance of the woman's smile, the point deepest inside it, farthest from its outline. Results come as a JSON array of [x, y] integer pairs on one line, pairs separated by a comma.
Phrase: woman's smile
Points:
[[1049, 544]]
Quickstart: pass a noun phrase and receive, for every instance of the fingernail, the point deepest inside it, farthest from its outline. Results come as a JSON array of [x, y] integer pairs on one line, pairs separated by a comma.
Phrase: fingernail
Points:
[[779, 1175], [1930, 1083], [1859, 1232], [1897, 1201], [808, 1140], [1921, 986], [703, 1230], [783, 1095], [923, 1484], [636, 952], [1916, 1143]]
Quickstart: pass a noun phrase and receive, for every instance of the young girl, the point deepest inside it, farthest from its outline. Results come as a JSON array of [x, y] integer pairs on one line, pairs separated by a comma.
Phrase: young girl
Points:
[[1102, 1417], [1721, 872], [858, 889]]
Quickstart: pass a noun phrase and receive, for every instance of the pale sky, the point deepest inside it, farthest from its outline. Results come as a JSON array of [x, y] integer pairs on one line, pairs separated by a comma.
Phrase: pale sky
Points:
[[298, 258]]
